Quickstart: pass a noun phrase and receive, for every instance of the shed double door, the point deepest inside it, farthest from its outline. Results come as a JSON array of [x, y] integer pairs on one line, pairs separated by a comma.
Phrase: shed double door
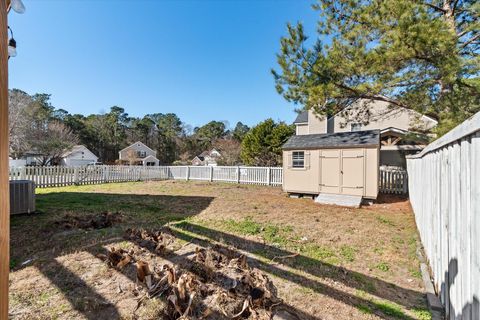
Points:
[[342, 171]]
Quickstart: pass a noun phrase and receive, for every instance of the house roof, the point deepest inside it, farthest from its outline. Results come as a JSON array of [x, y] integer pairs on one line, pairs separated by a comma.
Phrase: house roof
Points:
[[367, 138], [74, 149], [133, 145], [149, 157], [302, 117]]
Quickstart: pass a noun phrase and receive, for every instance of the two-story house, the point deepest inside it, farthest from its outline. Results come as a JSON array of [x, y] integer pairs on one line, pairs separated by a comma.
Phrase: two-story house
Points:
[[207, 158], [138, 154], [341, 154], [402, 131]]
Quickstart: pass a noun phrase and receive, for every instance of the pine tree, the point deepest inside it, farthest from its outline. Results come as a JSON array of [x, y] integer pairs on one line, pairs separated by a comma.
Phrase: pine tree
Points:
[[421, 55]]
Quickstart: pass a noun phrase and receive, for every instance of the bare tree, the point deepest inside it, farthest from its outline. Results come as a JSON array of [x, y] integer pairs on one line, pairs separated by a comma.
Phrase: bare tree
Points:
[[52, 141], [230, 150], [131, 157], [19, 121]]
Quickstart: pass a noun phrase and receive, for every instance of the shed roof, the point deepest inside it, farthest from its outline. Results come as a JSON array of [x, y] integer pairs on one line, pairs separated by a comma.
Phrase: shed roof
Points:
[[367, 138], [302, 117]]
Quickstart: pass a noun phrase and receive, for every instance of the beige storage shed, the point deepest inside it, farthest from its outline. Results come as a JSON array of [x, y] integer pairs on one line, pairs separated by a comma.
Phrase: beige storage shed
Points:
[[344, 163]]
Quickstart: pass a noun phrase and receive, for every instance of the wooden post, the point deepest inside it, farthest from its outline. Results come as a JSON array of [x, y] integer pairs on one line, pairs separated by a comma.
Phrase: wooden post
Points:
[[269, 173], [238, 174], [4, 176], [211, 174], [187, 174]]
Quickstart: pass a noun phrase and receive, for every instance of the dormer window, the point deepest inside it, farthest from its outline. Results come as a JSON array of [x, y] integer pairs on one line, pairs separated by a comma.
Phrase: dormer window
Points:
[[141, 154], [355, 127]]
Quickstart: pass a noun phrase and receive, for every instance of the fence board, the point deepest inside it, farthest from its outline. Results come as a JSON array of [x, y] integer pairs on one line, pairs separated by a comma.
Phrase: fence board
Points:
[[445, 196], [393, 180]]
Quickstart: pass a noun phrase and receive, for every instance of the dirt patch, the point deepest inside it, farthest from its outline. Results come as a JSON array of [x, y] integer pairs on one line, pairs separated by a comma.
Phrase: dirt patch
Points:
[[89, 222]]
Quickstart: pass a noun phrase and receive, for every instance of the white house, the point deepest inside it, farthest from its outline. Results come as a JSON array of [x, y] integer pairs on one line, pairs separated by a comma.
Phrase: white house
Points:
[[16, 162], [78, 156], [207, 158], [138, 154]]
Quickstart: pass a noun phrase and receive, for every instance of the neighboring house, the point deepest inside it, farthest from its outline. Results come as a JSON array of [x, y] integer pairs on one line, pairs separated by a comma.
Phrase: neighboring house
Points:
[[138, 154], [336, 155], [399, 128], [33, 158], [207, 158], [13, 163], [78, 156]]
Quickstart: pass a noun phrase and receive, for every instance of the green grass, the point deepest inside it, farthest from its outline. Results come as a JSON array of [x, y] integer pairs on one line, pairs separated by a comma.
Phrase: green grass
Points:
[[364, 309], [246, 226], [416, 273], [390, 309], [13, 263], [386, 221], [348, 253], [383, 266], [422, 314], [317, 252]]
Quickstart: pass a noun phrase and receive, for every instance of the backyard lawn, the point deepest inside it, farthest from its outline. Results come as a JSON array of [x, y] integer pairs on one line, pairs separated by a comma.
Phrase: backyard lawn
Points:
[[326, 262]]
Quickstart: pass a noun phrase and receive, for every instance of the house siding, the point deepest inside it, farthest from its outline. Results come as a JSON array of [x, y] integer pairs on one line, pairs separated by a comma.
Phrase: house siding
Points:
[[382, 117], [123, 154], [307, 180]]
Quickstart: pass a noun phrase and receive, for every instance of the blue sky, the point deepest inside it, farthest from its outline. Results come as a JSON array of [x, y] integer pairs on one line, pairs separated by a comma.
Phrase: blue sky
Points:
[[203, 60]]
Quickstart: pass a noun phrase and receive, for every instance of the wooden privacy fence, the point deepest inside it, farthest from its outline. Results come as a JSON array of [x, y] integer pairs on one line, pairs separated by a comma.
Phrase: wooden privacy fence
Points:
[[393, 180], [444, 183], [65, 176]]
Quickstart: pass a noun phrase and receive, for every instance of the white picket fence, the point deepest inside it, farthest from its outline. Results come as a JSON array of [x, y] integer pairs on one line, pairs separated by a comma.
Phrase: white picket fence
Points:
[[393, 180], [444, 183], [65, 176]]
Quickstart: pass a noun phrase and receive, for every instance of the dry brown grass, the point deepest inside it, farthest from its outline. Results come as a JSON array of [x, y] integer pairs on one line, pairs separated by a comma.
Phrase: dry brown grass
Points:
[[343, 264]]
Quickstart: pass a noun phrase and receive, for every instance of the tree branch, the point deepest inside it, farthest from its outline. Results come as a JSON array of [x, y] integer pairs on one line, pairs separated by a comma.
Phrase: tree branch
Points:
[[435, 7], [472, 39]]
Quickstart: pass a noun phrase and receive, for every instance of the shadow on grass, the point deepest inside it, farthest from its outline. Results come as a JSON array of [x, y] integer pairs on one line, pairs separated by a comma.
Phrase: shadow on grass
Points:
[[81, 296], [317, 268], [36, 236]]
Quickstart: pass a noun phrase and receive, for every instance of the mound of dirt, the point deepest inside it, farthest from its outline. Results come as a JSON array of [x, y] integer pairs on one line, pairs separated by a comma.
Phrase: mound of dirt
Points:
[[212, 283], [90, 221]]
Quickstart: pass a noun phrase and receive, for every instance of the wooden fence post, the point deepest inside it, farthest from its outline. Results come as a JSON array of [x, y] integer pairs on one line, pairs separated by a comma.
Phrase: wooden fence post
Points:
[[187, 173], [238, 174], [23, 173], [269, 172], [211, 174], [4, 166]]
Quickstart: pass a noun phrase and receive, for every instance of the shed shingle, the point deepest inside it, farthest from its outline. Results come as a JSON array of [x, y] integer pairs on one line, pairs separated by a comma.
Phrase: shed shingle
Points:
[[334, 140]]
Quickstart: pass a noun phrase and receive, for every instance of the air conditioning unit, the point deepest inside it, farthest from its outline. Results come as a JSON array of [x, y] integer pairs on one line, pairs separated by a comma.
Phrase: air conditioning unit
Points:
[[22, 196]]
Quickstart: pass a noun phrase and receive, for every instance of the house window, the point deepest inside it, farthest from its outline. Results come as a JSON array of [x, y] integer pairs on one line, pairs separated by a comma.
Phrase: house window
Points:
[[141, 154], [356, 126], [298, 159]]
